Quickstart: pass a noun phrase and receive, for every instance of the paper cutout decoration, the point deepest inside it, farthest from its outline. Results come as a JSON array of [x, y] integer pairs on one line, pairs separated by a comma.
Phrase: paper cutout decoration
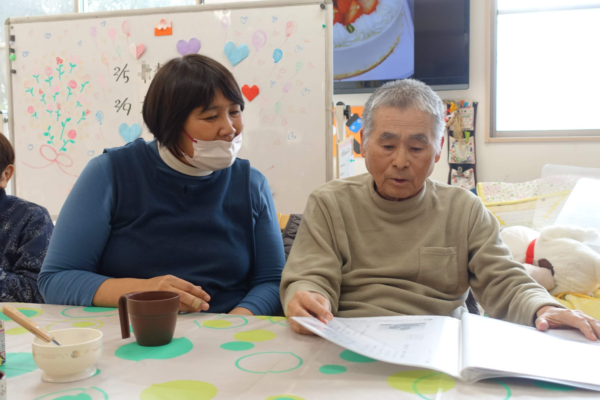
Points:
[[191, 47], [236, 54], [163, 28], [137, 51], [250, 92], [354, 123], [130, 133]]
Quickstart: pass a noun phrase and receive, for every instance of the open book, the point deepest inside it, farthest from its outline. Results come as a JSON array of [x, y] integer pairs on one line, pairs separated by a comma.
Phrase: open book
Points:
[[469, 349]]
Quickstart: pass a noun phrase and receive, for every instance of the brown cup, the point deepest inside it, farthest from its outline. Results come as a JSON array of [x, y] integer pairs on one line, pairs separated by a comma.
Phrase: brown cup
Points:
[[153, 316]]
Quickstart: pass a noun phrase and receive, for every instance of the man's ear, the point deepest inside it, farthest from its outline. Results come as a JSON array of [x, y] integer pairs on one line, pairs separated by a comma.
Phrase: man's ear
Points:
[[6, 175], [439, 155]]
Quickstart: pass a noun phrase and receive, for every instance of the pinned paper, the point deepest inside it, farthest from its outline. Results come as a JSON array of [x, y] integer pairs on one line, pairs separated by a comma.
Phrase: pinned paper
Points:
[[191, 47], [250, 92], [163, 28], [137, 50], [467, 115], [130, 133]]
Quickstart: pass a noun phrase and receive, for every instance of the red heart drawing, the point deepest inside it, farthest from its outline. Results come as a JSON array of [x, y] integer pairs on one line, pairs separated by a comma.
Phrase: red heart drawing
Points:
[[59, 60], [261, 62], [303, 110], [284, 121], [41, 91], [282, 70], [266, 118], [310, 65], [250, 92], [275, 33], [87, 112], [238, 34]]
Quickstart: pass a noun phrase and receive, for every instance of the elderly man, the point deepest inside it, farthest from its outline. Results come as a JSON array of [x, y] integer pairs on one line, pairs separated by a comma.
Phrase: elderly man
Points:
[[393, 242]]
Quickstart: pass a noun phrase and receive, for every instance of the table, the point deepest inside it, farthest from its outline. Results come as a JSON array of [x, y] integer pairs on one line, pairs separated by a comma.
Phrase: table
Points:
[[217, 357]]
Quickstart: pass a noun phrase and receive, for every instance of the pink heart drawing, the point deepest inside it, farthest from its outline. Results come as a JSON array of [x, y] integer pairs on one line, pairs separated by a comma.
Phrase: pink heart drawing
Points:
[[299, 82], [275, 33], [115, 58], [284, 121], [261, 62], [96, 95], [303, 110], [237, 34], [310, 65], [282, 70], [306, 41], [137, 50], [31, 32], [266, 118]]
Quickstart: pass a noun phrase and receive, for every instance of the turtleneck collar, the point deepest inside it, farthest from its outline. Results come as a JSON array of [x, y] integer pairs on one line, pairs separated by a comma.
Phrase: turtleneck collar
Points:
[[410, 207], [177, 165]]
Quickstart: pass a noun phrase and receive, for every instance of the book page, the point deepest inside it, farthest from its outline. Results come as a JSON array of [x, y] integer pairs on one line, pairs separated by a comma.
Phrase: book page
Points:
[[420, 341], [496, 348]]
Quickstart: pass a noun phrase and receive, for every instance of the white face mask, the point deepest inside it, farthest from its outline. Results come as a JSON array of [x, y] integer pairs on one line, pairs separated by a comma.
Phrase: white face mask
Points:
[[213, 155]]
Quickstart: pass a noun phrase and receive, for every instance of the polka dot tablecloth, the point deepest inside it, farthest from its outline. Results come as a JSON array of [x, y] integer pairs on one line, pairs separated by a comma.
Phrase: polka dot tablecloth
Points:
[[232, 357]]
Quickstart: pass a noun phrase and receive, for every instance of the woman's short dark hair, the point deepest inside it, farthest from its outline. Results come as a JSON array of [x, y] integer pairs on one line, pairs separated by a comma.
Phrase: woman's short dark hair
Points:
[[7, 154], [180, 86]]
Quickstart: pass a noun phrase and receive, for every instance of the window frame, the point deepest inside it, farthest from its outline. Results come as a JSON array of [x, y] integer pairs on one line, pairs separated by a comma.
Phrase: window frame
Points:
[[493, 135]]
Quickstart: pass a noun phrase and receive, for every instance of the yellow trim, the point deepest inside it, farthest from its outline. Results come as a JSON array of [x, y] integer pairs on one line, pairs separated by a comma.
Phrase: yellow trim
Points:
[[562, 295], [503, 203]]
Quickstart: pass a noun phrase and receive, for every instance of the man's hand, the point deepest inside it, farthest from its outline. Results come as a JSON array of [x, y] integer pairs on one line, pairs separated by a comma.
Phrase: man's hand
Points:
[[308, 304], [553, 317], [191, 297]]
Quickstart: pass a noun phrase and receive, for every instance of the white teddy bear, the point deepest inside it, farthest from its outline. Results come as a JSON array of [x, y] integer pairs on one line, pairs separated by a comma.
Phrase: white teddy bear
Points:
[[557, 257]]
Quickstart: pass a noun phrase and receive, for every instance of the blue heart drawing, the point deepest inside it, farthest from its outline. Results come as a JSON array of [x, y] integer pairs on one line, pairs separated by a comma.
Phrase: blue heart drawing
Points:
[[273, 84], [236, 54], [291, 136], [47, 35], [274, 19], [91, 153], [305, 92], [298, 49], [79, 43], [25, 53], [243, 20], [130, 133], [30, 147], [103, 23]]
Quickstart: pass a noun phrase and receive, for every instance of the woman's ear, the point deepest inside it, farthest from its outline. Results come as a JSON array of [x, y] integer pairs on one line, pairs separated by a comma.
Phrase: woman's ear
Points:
[[6, 175]]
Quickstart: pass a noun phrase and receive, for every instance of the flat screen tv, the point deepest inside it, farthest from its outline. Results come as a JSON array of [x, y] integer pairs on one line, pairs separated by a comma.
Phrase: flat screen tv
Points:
[[376, 41]]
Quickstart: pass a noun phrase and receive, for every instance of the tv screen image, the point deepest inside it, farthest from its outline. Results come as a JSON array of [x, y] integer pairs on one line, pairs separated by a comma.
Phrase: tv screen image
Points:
[[373, 40], [377, 41]]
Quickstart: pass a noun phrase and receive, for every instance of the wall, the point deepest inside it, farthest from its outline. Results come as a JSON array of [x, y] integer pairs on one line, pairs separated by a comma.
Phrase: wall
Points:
[[506, 162]]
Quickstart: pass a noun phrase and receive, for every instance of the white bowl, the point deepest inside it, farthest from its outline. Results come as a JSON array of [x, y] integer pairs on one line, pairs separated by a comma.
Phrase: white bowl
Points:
[[74, 360]]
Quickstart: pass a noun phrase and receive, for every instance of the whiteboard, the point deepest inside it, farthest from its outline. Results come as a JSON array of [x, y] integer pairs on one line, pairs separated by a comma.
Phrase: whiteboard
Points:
[[77, 88]]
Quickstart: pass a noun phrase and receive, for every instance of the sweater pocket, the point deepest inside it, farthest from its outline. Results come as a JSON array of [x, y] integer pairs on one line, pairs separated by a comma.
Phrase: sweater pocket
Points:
[[438, 268]]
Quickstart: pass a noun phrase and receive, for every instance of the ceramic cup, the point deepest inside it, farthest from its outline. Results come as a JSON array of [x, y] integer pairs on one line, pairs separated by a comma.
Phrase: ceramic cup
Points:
[[3, 386], [153, 316]]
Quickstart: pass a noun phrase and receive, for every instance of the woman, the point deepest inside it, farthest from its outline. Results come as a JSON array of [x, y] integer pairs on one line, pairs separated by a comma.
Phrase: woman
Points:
[[180, 213], [25, 230]]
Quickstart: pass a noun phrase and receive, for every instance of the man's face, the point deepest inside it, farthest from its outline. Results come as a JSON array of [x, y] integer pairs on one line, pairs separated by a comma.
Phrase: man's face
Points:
[[400, 153]]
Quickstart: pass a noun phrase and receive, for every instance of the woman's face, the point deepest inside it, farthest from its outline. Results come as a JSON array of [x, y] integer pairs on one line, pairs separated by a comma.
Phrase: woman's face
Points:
[[223, 120]]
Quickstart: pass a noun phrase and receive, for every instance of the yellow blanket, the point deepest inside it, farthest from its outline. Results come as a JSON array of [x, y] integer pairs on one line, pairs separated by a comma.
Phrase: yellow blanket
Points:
[[587, 304]]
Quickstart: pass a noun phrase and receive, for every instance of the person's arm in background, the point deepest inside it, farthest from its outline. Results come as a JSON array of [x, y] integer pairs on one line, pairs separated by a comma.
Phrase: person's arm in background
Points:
[[263, 297], [20, 284], [69, 275]]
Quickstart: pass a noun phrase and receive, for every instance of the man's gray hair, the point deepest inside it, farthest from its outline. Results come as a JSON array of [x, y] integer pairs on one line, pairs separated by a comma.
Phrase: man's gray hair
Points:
[[405, 94]]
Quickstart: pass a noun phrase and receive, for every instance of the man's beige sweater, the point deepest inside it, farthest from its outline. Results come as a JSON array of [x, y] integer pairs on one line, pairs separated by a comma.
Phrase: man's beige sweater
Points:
[[373, 257]]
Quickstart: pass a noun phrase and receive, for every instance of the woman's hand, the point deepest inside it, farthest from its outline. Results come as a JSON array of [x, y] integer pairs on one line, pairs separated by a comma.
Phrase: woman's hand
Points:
[[192, 298], [308, 304], [553, 317], [241, 311]]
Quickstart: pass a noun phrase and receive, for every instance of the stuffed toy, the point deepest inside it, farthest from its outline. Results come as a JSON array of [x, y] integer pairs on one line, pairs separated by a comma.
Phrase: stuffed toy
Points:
[[557, 257]]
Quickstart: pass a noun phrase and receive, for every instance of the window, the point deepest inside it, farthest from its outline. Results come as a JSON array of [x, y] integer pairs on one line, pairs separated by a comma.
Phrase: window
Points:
[[545, 67]]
